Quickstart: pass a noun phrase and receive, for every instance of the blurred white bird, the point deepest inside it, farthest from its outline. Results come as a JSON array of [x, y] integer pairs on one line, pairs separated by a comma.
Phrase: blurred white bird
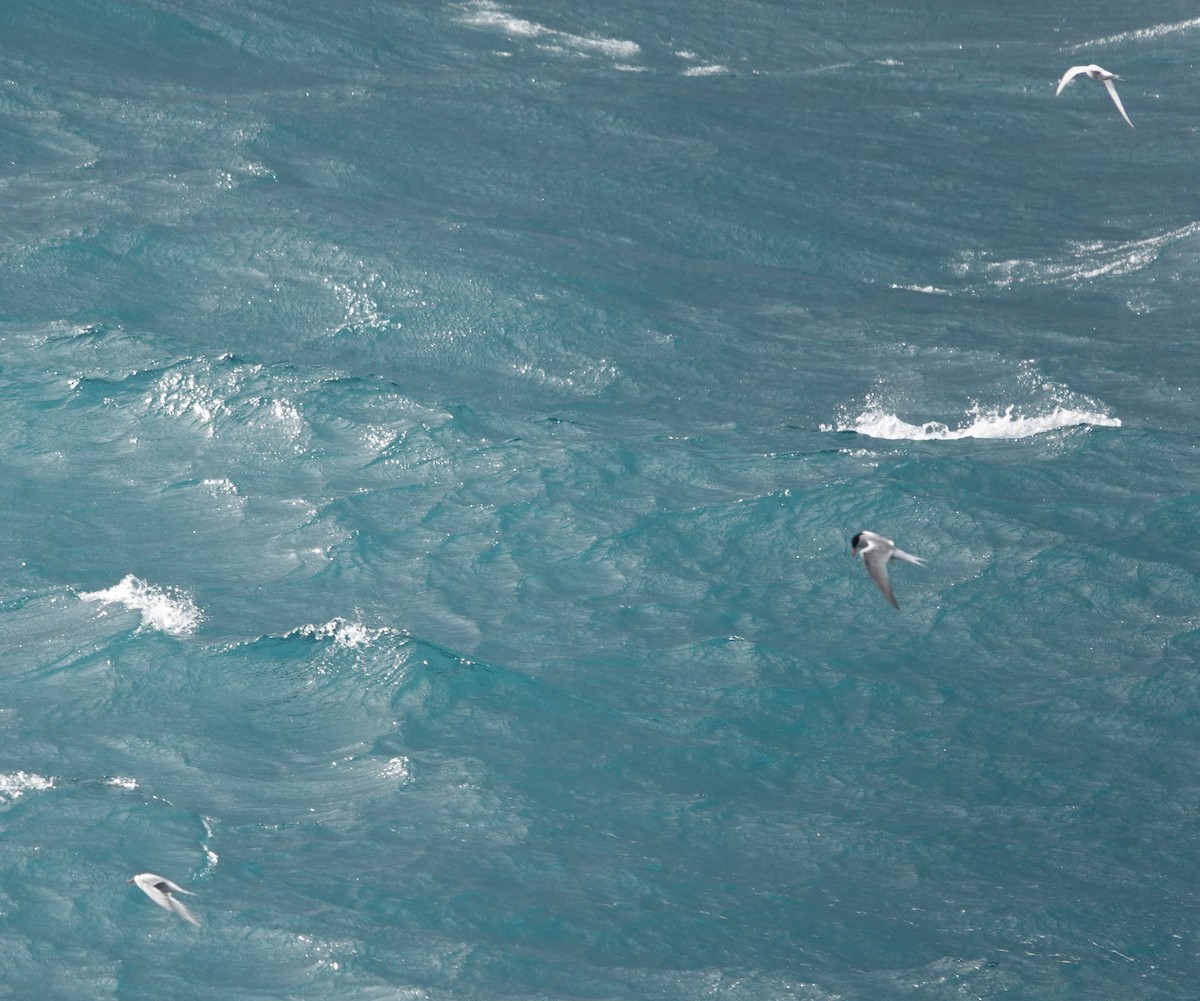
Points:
[[160, 890], [876, 551], [1096, 73]]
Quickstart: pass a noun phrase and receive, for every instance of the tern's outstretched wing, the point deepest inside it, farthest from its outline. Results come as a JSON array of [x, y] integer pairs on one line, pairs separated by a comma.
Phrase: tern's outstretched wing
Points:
[[178, 907], [167, 886], [1112, 92], [877, 568], [1068, 76]]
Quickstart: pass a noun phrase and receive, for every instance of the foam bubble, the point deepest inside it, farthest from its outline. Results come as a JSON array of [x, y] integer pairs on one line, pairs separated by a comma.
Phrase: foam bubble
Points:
[[168, 610]]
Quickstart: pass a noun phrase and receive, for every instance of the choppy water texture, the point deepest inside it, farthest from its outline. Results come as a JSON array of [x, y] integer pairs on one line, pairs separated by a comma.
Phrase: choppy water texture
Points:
[[430, 440]]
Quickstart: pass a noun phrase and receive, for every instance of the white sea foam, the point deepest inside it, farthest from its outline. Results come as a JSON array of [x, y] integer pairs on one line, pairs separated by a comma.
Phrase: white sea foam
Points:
[[216, 394], [180, 394], [343, 633], [1084, 261], [15, 784], [486, 14], [211, 857], [221, 486], [701, 68], [167, 610], [877, 422], [396, 768], [924, 289]]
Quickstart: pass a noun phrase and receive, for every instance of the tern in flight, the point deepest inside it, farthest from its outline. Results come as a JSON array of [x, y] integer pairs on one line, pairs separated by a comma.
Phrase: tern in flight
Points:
[[876, 553], [161, 891], [1096, 73]]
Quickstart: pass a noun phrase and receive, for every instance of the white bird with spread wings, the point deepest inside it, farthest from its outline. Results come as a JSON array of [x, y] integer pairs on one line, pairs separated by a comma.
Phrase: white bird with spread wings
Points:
[[1095, 72], [876, 553], [162, 891]]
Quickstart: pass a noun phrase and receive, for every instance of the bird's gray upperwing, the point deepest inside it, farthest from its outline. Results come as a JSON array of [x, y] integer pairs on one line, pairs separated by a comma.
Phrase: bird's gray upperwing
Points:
[[180, 908], [1112, 92], [877, 568]]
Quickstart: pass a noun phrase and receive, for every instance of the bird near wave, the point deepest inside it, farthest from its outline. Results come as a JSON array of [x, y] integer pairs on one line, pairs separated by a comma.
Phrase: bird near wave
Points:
[[161, 891], [1095, 72], [876, 553]]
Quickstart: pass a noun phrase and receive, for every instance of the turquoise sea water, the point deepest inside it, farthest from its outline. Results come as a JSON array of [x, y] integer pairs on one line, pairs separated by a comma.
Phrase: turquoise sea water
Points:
[[430, 440]]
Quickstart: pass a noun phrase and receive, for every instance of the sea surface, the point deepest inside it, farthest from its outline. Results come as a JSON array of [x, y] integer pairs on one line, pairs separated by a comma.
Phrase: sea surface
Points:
[[430, 439]]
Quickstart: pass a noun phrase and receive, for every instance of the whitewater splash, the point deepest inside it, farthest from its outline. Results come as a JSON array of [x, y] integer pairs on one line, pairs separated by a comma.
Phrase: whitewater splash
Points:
[[876, 422], [486, 14], [167, 610], [15, 784], [343, 633]]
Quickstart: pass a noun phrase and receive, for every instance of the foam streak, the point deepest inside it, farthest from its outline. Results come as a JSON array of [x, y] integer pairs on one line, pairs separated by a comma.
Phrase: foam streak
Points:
[[1141, 34]]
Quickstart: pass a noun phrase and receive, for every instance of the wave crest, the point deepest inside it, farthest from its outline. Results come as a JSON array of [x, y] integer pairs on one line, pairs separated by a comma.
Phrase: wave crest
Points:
[[168, 610], [875, 422], [343, 633]]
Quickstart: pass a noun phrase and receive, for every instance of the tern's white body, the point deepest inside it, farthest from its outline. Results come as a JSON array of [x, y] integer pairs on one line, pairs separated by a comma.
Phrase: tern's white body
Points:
[[1094, 72], [876, 553], [160, 890]]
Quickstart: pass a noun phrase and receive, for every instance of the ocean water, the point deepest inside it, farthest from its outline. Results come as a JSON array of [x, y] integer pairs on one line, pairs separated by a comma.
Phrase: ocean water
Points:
[[430, 439]]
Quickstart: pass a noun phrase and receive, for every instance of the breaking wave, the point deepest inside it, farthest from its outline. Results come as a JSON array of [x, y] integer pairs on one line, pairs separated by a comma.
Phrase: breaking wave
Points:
[[1008, 423], [343, 633], [167, 610]]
